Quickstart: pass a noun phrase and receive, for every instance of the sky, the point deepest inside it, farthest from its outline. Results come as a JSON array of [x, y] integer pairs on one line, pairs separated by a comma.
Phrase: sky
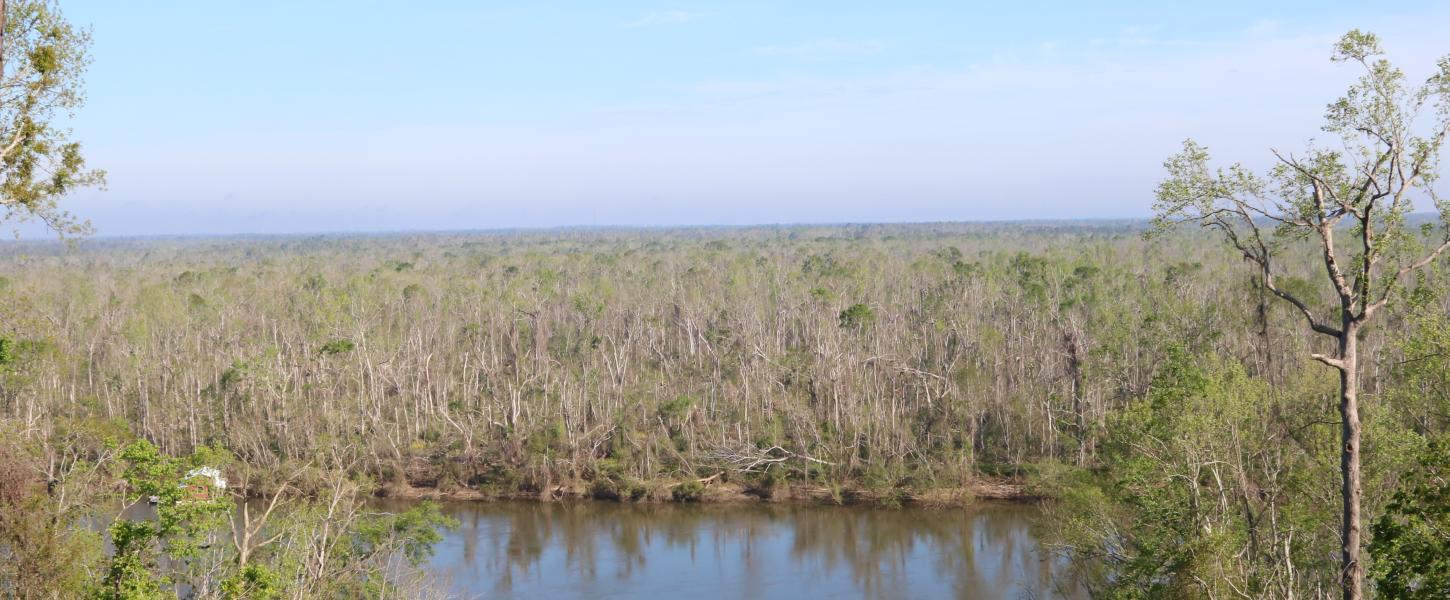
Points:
[[288, 117]]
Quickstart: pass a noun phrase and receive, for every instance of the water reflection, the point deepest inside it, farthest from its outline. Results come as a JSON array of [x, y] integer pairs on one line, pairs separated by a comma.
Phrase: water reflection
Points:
[[600, 550]]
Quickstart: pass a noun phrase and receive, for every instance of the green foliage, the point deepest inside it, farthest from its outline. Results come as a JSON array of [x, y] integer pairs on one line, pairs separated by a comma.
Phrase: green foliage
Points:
[[676, 408], [253, 582], [611, 482], [688, 491], [412, 291], [1190, 473], [1167, 541], [148, 472], [338, 346], [48, 551], [824, 265], [132, 571], [1424, 372], [415, 531], [1181, 272], [857, 316], [1411, 543], [966, 270], [41, 164], [314, 282], [185, 521], [548, 440], [1031, 274]]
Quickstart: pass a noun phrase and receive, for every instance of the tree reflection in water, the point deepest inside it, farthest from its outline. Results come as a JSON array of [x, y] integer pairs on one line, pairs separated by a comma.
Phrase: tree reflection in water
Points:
[[599, 549]]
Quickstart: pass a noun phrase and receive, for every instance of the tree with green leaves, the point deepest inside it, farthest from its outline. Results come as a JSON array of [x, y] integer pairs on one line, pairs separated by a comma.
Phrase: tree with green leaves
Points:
[[183, 526], [42, 61], [1386, 165], [1412, 539]]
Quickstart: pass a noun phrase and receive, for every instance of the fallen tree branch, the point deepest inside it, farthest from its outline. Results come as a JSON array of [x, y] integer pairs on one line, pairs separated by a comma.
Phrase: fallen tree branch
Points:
[[751, 459]]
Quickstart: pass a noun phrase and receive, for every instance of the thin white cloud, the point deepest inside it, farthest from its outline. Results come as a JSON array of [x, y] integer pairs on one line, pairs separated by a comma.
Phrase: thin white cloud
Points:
[[826, 49], [1096, 72], [1263, 28], [667, 17]]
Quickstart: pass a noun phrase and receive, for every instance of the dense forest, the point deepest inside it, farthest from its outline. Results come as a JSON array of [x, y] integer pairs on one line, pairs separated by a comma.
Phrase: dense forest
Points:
[[883, 363], [880, 354], [1247, 397]]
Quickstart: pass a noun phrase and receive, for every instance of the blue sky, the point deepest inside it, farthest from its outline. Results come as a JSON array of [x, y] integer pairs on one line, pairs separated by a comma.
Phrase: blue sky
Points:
[[272, 117]]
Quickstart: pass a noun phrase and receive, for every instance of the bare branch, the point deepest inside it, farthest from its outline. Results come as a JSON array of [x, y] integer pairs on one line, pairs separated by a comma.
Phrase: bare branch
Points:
[[750, 459]]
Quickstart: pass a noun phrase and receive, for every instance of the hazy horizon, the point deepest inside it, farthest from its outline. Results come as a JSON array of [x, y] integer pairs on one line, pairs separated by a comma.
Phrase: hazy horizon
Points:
[[664, 229], [338, 118]]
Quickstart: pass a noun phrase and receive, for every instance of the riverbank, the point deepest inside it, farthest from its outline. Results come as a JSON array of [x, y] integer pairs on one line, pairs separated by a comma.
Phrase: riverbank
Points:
[[714, 491]]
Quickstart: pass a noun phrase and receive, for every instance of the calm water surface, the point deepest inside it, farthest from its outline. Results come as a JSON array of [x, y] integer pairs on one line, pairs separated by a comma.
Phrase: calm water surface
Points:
[[608, 550]]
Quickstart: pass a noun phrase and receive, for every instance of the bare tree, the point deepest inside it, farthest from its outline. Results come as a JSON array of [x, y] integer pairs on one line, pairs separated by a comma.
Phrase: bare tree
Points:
[[246, 533], [1391, 136]]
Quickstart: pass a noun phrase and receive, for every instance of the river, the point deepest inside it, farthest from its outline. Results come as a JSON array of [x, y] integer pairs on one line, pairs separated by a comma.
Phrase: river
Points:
[[609, 550]]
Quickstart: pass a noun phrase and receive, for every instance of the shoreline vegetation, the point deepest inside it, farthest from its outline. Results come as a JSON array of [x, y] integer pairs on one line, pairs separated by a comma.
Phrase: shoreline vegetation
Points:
[[713, 491]]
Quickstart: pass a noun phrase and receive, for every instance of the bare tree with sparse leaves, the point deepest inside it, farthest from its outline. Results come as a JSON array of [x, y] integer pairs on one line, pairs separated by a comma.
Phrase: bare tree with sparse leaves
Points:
[[1350, 204]]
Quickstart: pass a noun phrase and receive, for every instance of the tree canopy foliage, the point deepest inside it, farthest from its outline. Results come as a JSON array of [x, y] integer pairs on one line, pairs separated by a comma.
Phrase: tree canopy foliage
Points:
[[42, 61]]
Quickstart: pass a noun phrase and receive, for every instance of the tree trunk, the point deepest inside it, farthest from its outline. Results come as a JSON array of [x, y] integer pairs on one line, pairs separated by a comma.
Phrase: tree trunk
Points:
[[1261, 316], [1074, 370], [1352, 571]]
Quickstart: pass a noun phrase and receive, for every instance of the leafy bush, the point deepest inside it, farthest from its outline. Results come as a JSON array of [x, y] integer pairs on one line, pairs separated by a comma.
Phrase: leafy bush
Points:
[[338, 346], [688, 491], [677, 408], [858, 316], [1411, 546]]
